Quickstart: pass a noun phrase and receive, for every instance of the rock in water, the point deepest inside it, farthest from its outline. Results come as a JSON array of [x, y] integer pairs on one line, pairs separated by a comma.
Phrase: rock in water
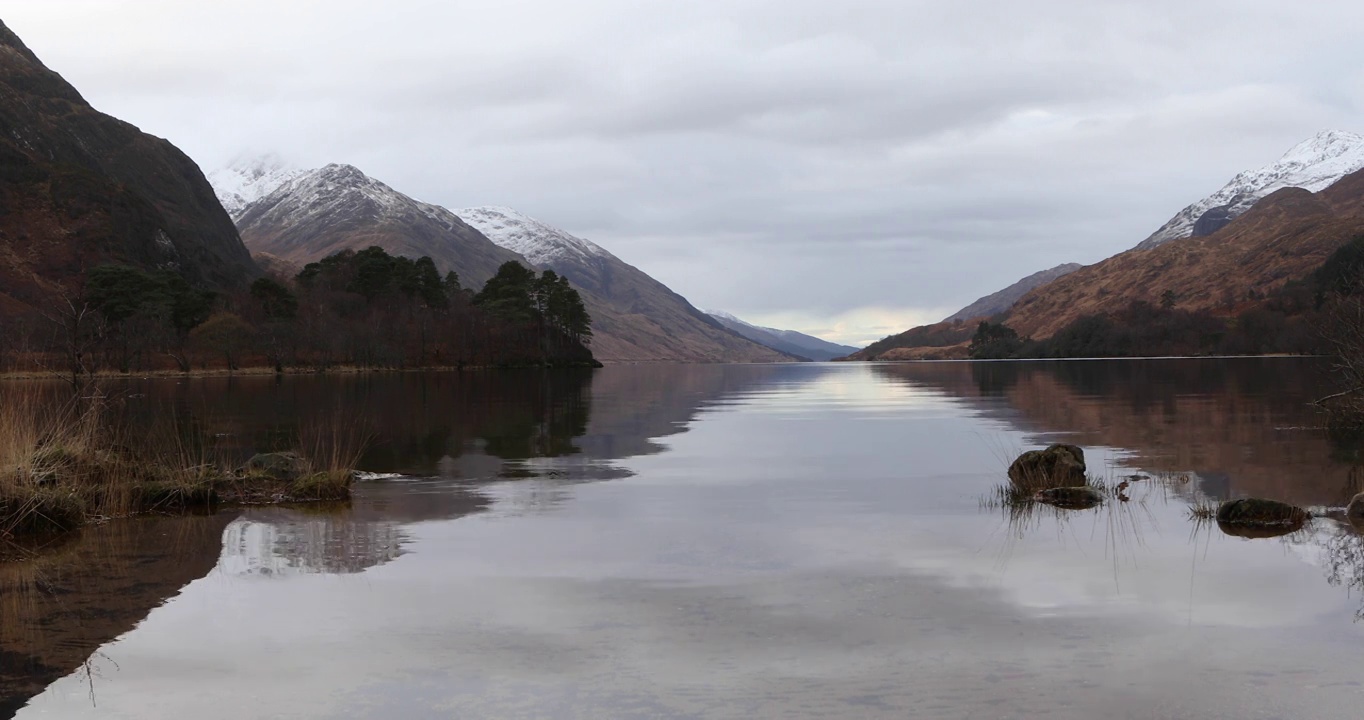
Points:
[[1070, 498], [1057, 466], [1260, 513]]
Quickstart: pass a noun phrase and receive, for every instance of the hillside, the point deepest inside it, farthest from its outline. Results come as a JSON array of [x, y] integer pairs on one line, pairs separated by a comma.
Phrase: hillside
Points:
[[790, 342], [946, 340], [634, 317], [1284, 236], [996, 303], [79, 189]]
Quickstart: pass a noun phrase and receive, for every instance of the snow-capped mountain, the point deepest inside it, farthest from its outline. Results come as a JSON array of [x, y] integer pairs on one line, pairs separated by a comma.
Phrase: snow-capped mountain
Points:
[[540, 243], [308, 215], [316, 213], [1313, 164], [787, 341], [249, 179]]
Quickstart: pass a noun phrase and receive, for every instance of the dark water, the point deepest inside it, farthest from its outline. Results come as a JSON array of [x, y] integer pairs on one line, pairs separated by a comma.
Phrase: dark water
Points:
[[724, 541]]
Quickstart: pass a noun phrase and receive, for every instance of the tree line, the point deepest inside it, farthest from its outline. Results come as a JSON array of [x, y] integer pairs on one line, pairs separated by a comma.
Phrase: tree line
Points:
[[363, 308]]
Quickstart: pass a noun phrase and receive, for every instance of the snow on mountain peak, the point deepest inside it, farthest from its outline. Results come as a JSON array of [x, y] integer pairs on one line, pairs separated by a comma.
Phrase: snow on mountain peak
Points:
[[248, 179], [1313, 164], [538, 242]]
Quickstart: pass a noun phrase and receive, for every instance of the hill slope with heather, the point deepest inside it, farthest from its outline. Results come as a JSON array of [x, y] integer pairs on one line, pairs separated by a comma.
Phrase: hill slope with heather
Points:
[[1284, 237]]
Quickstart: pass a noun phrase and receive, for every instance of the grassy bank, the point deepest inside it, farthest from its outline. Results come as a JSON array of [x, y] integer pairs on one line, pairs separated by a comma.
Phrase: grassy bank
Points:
[[68, 461]]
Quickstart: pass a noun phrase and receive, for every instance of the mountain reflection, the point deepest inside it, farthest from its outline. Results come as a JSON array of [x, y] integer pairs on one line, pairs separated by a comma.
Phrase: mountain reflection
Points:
[[59, 606], [1239, 427]]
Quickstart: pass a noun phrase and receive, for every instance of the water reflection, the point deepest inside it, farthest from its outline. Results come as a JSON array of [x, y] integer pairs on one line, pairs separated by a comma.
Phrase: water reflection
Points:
[[1240, 427], [60, 606]]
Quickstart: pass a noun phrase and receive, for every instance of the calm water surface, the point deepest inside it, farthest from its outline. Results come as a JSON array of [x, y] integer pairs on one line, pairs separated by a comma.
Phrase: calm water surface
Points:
[[724, 542]]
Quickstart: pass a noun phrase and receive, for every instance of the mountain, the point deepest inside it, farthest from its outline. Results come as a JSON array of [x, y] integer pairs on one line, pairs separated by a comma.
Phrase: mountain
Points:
[[316, 213], [1313, 164], [996, 303], [634, 317], [79, 188], [787, 341], [249, 179], [299, 217], [1284, 236]]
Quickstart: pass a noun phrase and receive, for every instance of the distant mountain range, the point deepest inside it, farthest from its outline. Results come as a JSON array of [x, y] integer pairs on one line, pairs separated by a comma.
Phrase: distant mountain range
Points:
[[289, 217], [788, 341], [82, 189]]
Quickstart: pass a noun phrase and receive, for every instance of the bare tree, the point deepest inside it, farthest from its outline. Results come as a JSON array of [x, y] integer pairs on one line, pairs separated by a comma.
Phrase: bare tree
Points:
[[76, 330]]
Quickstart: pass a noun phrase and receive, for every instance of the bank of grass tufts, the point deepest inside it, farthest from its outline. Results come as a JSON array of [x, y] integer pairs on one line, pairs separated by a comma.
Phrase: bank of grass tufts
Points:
[[65, 463]]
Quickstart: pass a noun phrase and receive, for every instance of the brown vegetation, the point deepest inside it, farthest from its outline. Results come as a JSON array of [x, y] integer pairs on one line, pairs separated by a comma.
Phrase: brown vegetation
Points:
[[1285, 236], [67, 460]]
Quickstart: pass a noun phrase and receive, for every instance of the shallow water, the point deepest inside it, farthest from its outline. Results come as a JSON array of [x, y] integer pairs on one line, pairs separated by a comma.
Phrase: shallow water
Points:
[[725, 541]]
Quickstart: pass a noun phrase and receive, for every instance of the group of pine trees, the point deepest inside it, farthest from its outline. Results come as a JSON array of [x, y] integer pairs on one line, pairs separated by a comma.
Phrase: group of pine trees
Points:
[[364, 308]]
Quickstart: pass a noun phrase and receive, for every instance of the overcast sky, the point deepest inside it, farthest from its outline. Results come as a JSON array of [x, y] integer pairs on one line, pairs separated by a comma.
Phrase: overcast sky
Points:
[[844, 168]]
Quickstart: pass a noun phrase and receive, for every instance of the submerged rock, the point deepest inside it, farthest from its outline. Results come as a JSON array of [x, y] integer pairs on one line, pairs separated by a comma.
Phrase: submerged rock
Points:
[[1070, 498], [1056, 467], [1258, 513], [276, 466]]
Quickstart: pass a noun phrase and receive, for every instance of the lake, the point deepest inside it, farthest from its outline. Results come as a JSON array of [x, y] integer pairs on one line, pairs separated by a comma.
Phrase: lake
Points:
[[741, 541]]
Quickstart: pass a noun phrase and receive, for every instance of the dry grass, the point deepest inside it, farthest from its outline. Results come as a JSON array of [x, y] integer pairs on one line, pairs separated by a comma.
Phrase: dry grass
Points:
[[67, 461]]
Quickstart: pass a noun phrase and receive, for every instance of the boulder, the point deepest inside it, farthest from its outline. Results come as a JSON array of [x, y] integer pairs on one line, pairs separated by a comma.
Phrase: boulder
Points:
[[1070, 498], [1057, 466], [1260, 513], [285, 466]]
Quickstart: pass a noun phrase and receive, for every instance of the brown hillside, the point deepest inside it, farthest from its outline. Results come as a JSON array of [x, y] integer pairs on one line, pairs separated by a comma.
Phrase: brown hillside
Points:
[[1284, 236], [79, 188]]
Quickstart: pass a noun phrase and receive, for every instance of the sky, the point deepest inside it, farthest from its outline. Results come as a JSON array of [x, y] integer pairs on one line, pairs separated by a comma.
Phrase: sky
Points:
[[847, 169]]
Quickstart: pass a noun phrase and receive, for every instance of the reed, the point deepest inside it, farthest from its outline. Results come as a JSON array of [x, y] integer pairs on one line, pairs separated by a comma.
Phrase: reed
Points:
[[65, 462]]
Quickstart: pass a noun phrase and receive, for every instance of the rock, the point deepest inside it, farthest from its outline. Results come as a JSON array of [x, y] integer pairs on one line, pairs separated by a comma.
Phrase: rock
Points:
[[1260, 513], [277, 466], [1213, 220], [1355, 510], [1057, 466], [1070, 498]]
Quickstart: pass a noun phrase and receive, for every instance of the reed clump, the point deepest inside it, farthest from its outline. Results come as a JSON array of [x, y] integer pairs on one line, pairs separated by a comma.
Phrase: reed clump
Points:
[[67, 462]]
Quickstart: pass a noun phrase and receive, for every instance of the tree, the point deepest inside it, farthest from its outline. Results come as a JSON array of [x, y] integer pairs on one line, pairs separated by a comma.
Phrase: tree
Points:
[[277, 302], [510, 294], [1167, 300], [994, 342], [226, 334]]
